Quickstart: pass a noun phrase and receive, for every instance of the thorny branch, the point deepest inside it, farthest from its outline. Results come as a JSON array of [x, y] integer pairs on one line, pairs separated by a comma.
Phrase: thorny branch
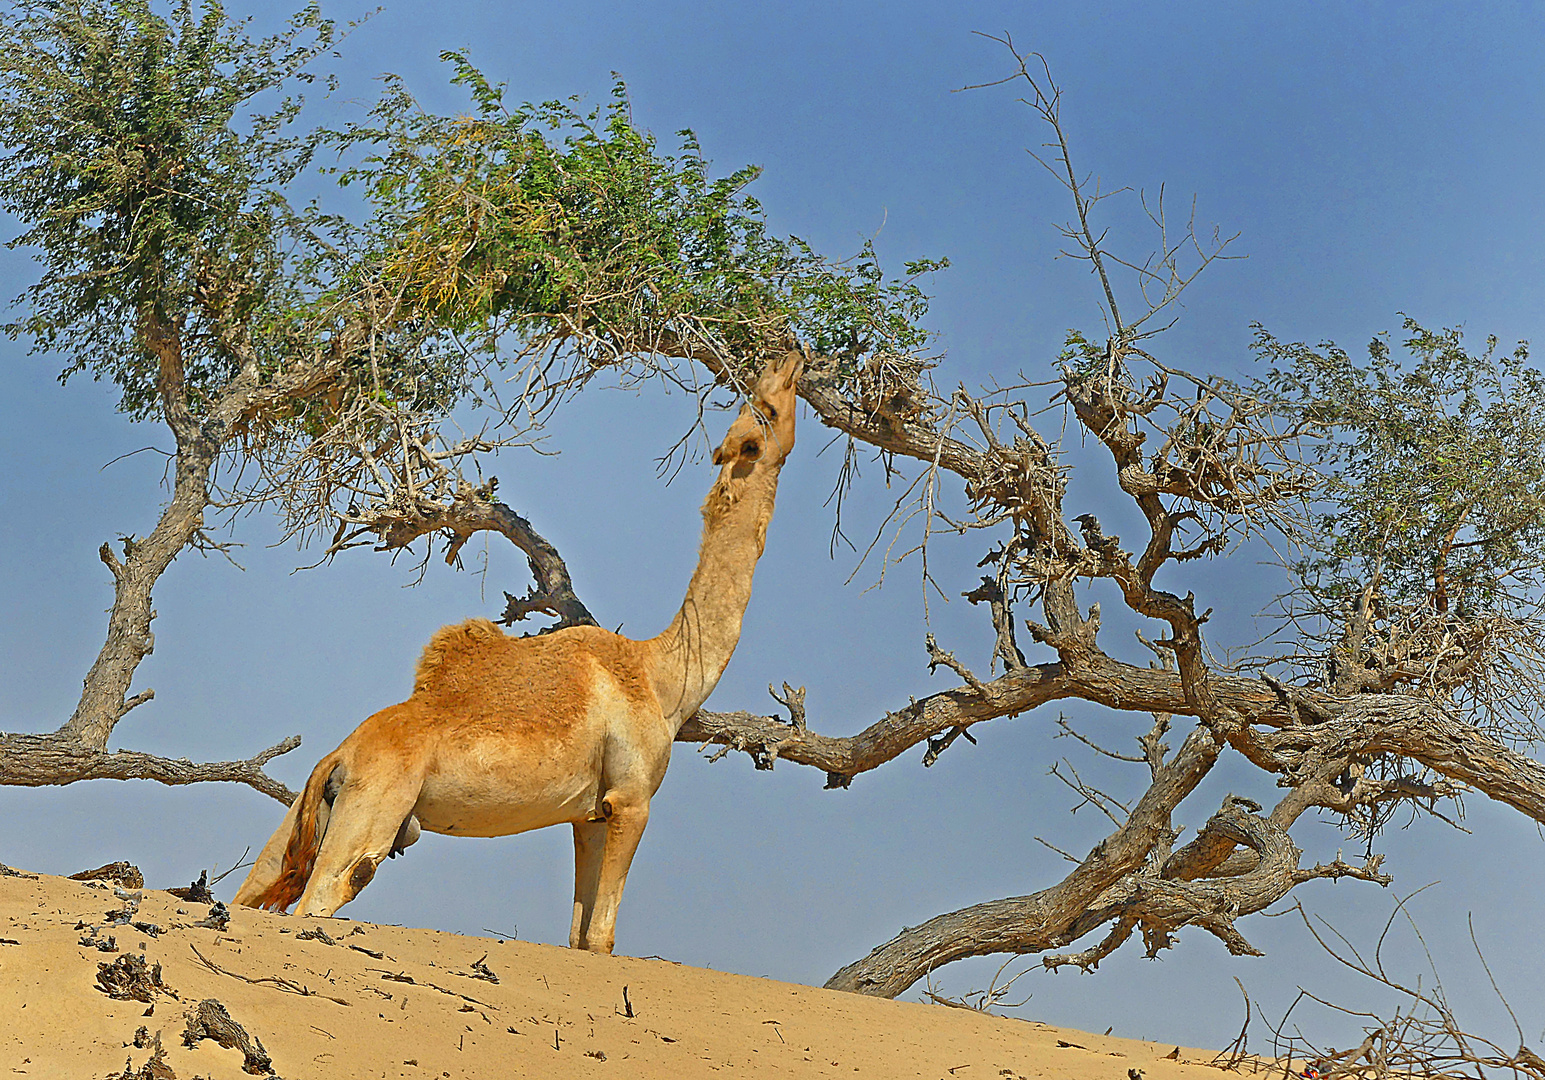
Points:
[[1422, 1037]]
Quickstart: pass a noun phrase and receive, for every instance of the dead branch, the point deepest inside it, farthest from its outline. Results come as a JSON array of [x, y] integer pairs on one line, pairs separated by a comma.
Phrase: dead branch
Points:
[[982, 1000], [40, 760], [1412, 728], [210, 1020], [468, 511], [1424, 1037], [124, 873], [130, 978], [1231, 1056], [1034, 923], [286, 985]]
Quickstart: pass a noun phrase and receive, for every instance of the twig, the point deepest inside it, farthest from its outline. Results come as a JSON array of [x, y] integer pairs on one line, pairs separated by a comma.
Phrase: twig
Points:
[[279, 984]]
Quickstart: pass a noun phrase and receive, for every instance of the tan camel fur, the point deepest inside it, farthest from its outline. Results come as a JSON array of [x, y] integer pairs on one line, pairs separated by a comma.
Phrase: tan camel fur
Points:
[[505, 734]]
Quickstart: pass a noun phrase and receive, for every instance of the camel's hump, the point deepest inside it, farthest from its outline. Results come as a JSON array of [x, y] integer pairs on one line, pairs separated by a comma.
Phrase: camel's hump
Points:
[[450, 641]]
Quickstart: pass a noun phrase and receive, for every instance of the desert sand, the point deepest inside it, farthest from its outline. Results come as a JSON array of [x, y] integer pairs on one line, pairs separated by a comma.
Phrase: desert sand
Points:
[[362, 1000]]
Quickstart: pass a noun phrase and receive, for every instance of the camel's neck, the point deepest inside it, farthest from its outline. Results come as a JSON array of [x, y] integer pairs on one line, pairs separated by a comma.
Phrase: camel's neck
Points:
[[691, 653]]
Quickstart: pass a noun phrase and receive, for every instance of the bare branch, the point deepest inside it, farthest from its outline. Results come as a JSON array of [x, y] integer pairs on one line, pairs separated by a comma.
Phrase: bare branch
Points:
[[41, 760], [1424, 1037], [1067, 730]]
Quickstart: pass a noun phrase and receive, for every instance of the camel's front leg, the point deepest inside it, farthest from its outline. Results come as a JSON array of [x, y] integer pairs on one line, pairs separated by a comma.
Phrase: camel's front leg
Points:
[[626, 817], [265, 869], [589, 846]]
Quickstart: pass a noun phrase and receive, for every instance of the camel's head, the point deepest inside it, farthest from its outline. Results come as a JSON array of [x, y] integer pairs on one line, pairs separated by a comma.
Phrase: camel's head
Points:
[[763, 433]]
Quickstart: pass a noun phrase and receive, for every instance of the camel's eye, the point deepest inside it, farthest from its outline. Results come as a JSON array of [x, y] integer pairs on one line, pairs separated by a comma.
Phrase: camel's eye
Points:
[[752, 449], [769, 411]]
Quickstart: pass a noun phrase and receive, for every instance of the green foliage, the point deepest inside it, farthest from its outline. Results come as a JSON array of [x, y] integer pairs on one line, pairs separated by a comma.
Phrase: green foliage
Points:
[[1435, 466], [153, 188], [141, 197], [1080, 356], [573, 229]]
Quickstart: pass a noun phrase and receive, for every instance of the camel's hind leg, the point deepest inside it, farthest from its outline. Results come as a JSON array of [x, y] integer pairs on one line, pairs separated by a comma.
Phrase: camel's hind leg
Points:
[[265, 870], [626, 817], [362, 828], [589, 848]]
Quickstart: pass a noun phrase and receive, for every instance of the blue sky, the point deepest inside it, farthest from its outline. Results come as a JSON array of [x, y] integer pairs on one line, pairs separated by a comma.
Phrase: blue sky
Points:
[[1376, 159]]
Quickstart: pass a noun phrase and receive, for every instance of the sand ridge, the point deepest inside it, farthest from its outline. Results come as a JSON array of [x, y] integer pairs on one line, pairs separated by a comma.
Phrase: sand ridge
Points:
[[363, 1000]]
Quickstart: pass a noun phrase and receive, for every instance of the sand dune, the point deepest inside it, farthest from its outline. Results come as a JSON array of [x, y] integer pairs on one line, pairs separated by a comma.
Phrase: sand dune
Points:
[[361, 1000]]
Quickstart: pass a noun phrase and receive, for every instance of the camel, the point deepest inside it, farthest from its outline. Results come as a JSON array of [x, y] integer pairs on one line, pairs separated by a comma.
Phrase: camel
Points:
[[505, 734]]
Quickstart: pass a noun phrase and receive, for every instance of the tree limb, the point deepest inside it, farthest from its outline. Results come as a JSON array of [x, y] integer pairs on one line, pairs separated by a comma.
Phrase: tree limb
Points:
[[42, 760]]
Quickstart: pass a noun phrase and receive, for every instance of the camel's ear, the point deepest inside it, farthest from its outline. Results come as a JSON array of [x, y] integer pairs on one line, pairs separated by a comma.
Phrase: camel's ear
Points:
[[792, 371]]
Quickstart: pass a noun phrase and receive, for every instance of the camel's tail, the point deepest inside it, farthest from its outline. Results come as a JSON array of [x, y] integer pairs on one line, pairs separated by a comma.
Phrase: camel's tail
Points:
[[301, 854]]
